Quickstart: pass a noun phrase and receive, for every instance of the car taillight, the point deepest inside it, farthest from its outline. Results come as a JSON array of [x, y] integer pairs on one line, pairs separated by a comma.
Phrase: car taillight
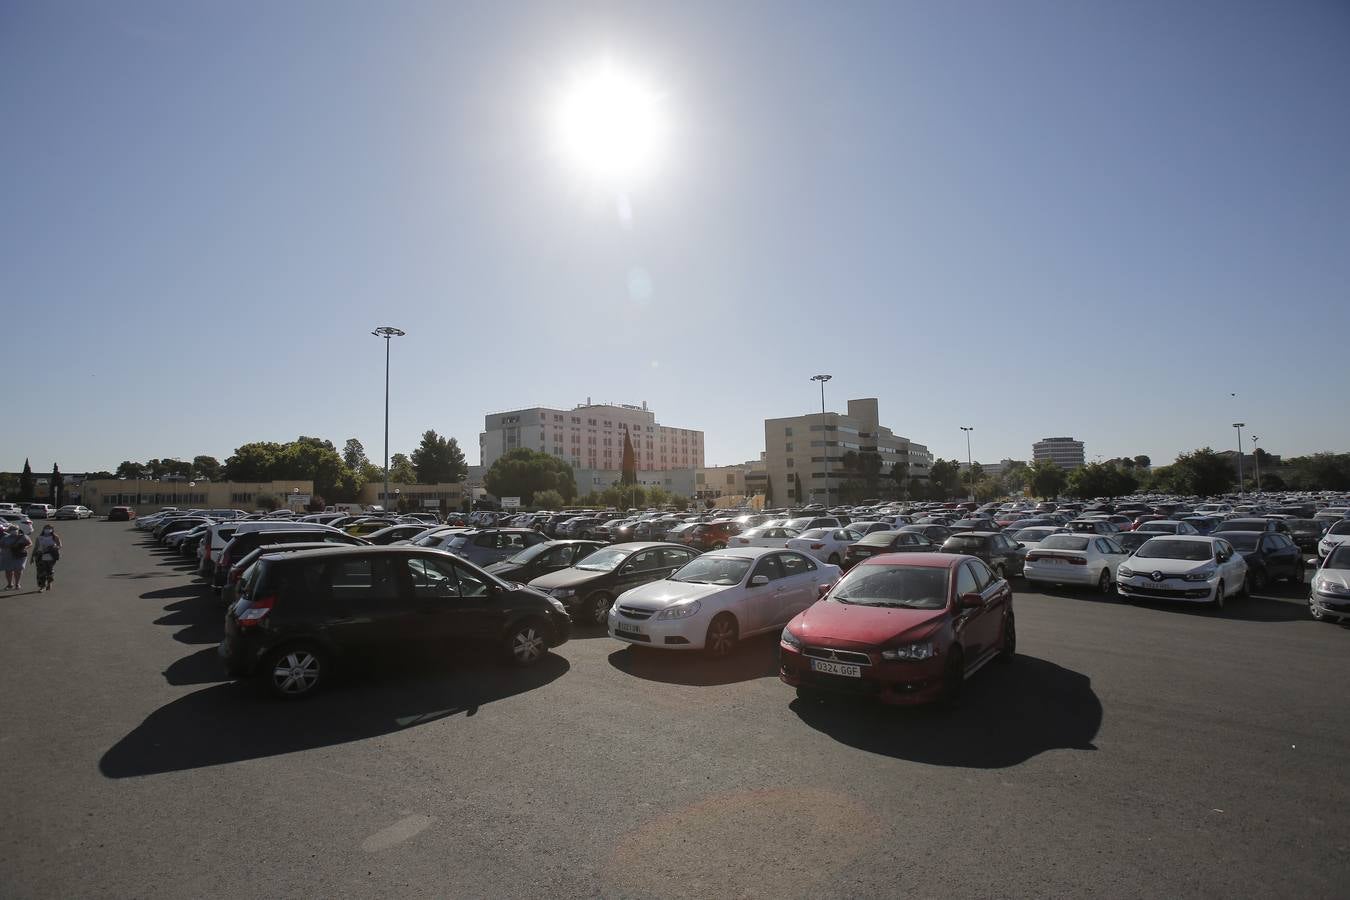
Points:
[[257, 611], [817, 546]]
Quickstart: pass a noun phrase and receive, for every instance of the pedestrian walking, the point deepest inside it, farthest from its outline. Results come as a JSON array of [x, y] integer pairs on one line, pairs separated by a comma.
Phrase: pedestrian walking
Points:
[[46, 551], [14, 556]]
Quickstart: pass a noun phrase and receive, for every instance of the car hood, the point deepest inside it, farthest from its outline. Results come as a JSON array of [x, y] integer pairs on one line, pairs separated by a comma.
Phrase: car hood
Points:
[[830, 623], [504, 569], [660, 594], [1144, 565], [566, 578]]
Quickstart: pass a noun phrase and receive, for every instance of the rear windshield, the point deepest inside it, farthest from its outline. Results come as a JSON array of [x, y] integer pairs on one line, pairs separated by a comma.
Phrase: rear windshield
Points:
[[962, 540], [879, 539], [1064, 542], [1244, 540], [1243, 525], [1033, 534]]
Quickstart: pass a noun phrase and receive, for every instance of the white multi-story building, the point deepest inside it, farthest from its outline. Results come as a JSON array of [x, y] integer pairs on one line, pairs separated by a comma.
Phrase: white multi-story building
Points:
[[590, 436], [1064, 452]]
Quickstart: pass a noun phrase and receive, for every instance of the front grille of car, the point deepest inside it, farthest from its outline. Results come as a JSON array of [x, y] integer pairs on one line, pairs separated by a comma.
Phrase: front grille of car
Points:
[[1164, 592], [629, 612], [840, 682], [843, 656]]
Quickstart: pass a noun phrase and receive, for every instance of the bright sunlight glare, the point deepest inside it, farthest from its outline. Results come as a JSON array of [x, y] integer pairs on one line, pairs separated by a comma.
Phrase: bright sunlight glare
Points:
[[610, 125]]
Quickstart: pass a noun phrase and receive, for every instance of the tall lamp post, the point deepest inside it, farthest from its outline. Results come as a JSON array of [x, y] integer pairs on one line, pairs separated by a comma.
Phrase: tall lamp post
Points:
[[1239, 426], [1256, 461], [387, 332], [824, 436], [970, 464]]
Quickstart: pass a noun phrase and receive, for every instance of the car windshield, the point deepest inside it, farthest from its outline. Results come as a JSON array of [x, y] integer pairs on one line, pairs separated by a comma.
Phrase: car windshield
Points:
[[1064, 542], [1306, 526], [1164, 548], [1342, 527], [1033, 535], [429, 540], [604, 560], [714, 569], [529, 553], [919, 587], [1243, 540], [815, 534], [1338, 558]]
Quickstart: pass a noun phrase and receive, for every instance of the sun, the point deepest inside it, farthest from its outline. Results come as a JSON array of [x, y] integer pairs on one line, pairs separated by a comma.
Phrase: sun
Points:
[[610, 125]]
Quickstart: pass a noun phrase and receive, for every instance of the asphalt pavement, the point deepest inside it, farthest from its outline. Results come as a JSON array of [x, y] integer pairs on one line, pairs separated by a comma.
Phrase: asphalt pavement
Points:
[[1130, 751]]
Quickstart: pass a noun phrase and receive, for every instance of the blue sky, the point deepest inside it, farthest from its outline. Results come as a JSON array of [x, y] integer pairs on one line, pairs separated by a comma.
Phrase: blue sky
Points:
[[1084, 219]]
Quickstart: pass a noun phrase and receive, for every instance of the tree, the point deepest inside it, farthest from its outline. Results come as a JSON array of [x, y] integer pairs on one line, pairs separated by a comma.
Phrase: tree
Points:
[[1046, 478], [128, 469], [354, 455], [1319, 472], [1102, 480], [438, 460], [549, 499], [628, 468], [768, 490], [944, 479], [900, 475], [317, 503], [58, 487], [401, 470], [523, 472], [797, 484], [26, 486], [1263, 458], [267, 501], [1015, 476], [1142, 461], [680, 503], [658, 496], [1203, 472], [206, 468]]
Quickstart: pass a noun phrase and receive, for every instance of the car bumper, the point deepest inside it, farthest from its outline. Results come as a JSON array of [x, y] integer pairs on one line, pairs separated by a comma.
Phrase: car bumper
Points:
[[239, 657], [667, 634], [1052, 573], [894, 683], [1337, 608], [1144, 588]]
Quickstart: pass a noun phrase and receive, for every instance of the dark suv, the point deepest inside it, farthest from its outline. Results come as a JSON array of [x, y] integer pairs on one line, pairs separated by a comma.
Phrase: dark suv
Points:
[[300, 614]]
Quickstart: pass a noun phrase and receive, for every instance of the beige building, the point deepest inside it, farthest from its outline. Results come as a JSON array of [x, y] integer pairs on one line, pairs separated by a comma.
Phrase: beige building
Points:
[[590, 436], [810, 450], [147, 495], [442, 498], [720, 481]]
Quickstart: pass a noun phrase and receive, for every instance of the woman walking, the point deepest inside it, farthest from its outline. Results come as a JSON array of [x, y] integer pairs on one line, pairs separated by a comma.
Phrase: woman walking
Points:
[[14, 556], [46, 551]]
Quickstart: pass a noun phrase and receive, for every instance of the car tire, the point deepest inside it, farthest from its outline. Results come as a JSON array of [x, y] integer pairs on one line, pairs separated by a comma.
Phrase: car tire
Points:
[[1217, 602], [1104, 584], [526, 643], [1316, 613], [597, 608], [953, 677], [723, 634], [834, 559], [1008, 652], [296, 671]]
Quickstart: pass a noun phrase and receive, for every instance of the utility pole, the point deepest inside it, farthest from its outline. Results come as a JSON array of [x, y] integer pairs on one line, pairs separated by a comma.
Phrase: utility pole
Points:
[[1256, 461], [1239, 426], [387, 332], [970, 464], [824, 435]]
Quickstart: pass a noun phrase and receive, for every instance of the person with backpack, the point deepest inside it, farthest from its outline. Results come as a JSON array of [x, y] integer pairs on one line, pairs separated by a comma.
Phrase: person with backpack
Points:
[[14, 556], [46, 551]]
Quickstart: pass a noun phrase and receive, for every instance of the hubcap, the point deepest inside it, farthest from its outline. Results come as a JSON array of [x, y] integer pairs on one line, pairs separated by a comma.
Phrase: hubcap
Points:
[[527, 645], [721, 637], [296, 673], [600, 611]]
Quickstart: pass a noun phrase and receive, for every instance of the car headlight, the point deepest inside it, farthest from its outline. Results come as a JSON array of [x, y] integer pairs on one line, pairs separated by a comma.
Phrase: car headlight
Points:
[[909, 652], [563, 592], [787, 637], [1335, 590], [557, 605], [1124, 572], [680, 610], [1204, 574]]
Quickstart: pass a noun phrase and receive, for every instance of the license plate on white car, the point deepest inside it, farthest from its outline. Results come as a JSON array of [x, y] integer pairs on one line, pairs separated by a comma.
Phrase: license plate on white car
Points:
[[834, 668], [627, 629]]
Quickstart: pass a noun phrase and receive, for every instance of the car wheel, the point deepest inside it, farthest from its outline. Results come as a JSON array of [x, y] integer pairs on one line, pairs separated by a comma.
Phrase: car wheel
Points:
[[953, 677], [1008, 652], [1217, 602], [1104, 582], [834, 559], [296, 671], [722, 635], [597, 607], [526, 644], [1315, 612]]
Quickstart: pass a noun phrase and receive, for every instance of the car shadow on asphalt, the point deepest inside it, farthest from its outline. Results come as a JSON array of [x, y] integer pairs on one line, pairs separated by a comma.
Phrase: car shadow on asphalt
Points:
[[1006, 716], [756, 657], [236, 721], [1277, 602], [200, 619]]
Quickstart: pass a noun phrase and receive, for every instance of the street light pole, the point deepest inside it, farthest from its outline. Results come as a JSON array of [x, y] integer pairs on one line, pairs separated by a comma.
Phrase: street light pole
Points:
[[824, 436], [970, 464], [1256, 461], [1239, 426], [386, 332]]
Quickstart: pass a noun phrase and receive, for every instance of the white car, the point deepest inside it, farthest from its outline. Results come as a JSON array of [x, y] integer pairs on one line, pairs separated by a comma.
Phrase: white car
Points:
[[1337, 534], [8, 518], [1329, 598], [74, 512], [1031, 536], [1167, 526], [764, 536], [717, 599], [40, 510], [825, 544], [1081, 559], [1183, 567]]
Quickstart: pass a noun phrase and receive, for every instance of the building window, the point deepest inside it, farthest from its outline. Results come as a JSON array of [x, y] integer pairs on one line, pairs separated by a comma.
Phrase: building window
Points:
[[791, 463], [788, 448]]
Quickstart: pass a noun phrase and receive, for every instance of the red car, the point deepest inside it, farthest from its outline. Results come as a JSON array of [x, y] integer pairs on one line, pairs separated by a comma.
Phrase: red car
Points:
[[121, 514], [711, 535], [905, 629]]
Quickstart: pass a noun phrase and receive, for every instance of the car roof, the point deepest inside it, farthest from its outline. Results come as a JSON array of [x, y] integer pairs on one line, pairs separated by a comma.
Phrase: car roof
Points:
[[1196, 538], [747, 551], [918, 560]]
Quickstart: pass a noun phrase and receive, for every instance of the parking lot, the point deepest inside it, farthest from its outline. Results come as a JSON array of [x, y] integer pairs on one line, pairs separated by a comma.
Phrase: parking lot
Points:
[[1128, 751]]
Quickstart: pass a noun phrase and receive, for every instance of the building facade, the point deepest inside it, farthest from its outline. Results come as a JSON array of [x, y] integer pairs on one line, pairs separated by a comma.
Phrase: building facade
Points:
[[590, 436], [148, 495], [809, 451], [1064, 452]]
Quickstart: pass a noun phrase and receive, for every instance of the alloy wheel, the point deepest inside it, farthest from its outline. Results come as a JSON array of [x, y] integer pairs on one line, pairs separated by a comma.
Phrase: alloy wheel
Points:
[[599, 608], [1104, 583], [1313, 610], [296, 673], [527, 644], [721, 636]]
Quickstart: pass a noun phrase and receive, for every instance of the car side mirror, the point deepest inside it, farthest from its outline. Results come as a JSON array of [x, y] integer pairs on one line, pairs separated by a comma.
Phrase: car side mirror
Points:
[[973, 600], [1022, 545], [823, 589], [759, 581]]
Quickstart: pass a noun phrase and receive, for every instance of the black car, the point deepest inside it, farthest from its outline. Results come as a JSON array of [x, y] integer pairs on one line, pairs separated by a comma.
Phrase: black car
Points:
[[1252, 524], [542, 559], [588, 588], [1132, 540], [300, 614], [935, 533], [961, 526], [1307, 533], [1269, 556], [182, 523], [404, 532], [244, 543], [879, 542], [998, 551], [230, 592]]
